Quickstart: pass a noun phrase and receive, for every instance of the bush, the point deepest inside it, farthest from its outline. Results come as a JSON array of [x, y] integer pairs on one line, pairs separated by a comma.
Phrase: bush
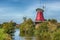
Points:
[[4, 35]]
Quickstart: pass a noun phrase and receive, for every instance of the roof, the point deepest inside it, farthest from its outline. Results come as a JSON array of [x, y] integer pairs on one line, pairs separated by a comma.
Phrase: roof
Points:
[[39, 9]]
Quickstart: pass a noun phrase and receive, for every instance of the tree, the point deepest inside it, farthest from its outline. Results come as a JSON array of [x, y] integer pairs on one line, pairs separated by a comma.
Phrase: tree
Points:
[[27, 27], [0, 25], [9, 27], [52, 20], [24, 18], [56, 36], [42, 32], [42, 28], [4, 35]]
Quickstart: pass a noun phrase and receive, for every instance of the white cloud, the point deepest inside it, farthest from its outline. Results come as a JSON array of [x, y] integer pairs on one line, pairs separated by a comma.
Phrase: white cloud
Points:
[[53, 6], [52, 10], [32, 8]]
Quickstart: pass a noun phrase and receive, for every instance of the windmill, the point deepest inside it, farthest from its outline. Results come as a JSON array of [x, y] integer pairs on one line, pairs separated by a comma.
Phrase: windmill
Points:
[[39, 17]]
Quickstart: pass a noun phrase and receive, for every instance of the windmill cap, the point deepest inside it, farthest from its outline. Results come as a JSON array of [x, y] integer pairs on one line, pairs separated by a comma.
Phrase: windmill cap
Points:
[[39, 9]]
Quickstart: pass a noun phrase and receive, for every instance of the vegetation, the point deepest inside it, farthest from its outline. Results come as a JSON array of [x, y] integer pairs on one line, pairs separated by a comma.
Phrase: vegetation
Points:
[[6, 30], [27, 27], [48, 30], [9, 27], [4, 35]]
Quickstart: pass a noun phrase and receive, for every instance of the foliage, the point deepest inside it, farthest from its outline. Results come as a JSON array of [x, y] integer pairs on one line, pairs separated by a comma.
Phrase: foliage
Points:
[[56, 36], [7, 30], [4, 35], [9, 27], [27, 26], [52, 20], [24, 18], [48, 30]]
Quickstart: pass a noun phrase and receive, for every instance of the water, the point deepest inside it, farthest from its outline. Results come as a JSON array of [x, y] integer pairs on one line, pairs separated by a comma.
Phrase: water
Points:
[[17, 37], [16, 34]]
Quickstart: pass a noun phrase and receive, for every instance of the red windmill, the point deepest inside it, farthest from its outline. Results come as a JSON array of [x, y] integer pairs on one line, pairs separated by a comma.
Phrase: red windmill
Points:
[[39, 17]]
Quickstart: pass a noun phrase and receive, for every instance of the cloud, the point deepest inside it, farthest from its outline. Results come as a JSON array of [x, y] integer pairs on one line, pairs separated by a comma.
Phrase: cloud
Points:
[[52, 10], [30, 11], [53, 6]]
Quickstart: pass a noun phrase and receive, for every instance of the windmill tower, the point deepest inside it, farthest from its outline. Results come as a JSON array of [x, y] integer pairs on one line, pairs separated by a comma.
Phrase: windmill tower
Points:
[[39, 17]]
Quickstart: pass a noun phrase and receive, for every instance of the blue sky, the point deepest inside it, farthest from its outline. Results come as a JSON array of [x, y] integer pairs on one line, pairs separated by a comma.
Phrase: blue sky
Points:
[[16, 9]]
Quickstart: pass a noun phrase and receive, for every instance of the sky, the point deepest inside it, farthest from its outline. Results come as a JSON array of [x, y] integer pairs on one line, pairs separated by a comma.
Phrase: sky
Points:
[[17, 9]]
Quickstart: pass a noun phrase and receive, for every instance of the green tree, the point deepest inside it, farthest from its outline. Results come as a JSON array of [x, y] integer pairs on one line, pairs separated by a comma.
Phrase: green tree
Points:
[[42, 32], [42, 28], [56, 36], [24, 18], [27, 26], [9, 27], [0, 25], [52, 20], [4, 35]]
